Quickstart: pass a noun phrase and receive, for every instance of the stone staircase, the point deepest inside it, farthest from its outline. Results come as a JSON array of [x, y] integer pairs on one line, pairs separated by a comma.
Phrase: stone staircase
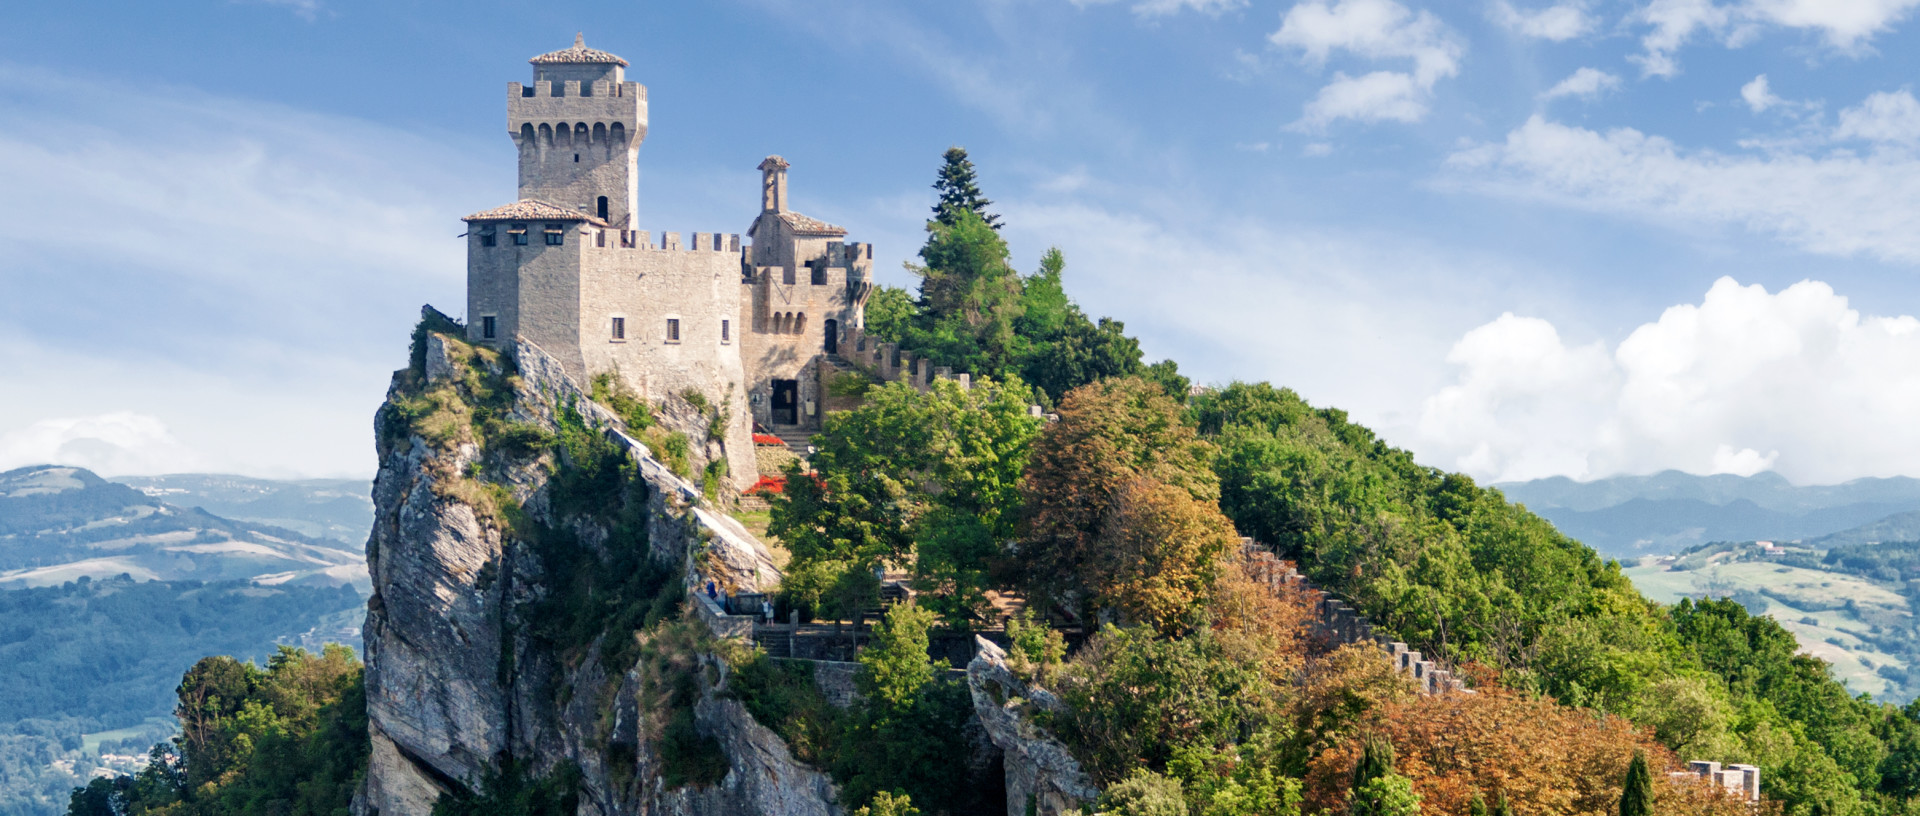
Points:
[[795, 436], [776, 640]]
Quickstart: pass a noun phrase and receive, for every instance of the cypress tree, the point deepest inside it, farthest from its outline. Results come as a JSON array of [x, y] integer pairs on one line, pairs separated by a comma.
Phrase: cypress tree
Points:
[[1376, 760], [1501, 807], [959, 191], [1478, 807], [1636, 799]]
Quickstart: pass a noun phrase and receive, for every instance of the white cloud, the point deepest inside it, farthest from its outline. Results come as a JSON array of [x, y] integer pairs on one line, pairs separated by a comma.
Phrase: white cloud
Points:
[[122, 443], [1838, 204], [1374, 30], [1586, 83], [1165, 8], [1846, 25], [1559, 22], [1744, 381], [1379, 96], [1759, 95], [1883, 117]]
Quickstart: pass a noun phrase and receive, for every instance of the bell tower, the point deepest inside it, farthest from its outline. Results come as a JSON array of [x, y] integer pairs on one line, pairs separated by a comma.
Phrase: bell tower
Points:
[[578, 128]]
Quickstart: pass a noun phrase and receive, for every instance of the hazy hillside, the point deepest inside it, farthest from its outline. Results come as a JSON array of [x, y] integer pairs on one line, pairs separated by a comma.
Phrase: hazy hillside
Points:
[[1630, 516], [339, 509], [58, 524]]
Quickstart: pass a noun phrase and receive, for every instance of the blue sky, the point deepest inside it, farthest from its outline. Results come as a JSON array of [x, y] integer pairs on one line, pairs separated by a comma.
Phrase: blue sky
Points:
[[1521, 238]]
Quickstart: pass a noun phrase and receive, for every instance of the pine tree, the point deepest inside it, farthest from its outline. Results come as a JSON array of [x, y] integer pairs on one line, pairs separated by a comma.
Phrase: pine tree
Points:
[[1501, 807], [1478, 807], [959, 191], [1637, 797]]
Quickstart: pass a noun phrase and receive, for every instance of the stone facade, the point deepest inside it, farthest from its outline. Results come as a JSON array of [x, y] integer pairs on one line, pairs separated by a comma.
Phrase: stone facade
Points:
[[746, 325]]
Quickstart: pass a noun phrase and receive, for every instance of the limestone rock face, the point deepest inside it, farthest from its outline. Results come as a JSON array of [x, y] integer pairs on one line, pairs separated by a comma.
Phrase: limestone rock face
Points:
[[1039, 768], [454, 682]]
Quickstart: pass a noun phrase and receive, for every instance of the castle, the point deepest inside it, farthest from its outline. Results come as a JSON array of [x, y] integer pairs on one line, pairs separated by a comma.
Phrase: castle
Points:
[[747, 326]]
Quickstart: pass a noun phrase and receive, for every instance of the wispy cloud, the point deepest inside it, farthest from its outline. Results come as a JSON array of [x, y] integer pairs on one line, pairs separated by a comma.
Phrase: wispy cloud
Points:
[[1844, 26], [1585, 83], [1165, 8], [1558, 23]]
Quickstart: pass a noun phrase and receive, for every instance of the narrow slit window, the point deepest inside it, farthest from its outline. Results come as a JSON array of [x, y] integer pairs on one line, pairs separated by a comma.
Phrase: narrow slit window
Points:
[[600, 238], [673, 330], [619, 328], [726, 331], [488, 329], [602, 208]]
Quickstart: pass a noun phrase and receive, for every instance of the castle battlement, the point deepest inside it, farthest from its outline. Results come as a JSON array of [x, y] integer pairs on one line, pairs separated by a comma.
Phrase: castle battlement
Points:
[[575, 89]]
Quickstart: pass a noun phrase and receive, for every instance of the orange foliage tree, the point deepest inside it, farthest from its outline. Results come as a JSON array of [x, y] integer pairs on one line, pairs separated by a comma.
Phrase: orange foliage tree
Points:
[[1548, 759], [1111, 435]]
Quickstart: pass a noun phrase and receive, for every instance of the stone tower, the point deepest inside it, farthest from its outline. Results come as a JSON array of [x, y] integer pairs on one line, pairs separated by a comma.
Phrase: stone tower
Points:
[[752, 332], [579, 128]]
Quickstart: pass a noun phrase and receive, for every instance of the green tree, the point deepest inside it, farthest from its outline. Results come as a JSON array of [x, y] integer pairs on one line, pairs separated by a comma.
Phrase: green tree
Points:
[[959, 191], [1636, 794], [905, 737], [890, 313], [1145, 793], [887, 803], [1390, 795], [1376, 760], [929, 481]]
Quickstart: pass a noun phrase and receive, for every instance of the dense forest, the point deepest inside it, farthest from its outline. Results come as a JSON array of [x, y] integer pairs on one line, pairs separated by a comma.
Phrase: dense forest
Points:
[[1116, 520]]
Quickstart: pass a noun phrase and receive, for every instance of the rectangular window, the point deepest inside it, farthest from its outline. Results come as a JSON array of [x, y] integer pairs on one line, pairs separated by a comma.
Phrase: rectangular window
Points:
[[487, 329], [619, 328], [673, 330], [519, 233], [599, 238], [786, 276], [487, 236], [555, 237], [726, 331], [819, 273]]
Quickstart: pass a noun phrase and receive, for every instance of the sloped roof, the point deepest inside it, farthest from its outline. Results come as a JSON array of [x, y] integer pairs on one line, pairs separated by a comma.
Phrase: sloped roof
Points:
[[531, 209], [803, 225], [579, 53]]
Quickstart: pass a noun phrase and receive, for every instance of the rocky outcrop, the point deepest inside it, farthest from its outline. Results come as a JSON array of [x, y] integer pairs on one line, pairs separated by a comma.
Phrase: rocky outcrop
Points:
[[454, 682], [1041, 773]]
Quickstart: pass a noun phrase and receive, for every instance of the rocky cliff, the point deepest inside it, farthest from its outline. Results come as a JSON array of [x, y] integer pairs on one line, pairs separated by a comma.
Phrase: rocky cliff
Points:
[[526, 555]]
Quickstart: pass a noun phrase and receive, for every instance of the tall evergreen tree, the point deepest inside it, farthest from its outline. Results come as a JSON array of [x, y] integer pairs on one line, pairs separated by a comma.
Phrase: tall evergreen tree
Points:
[[1636, 799], [1502, 807], [1376, 760], [960, 191]]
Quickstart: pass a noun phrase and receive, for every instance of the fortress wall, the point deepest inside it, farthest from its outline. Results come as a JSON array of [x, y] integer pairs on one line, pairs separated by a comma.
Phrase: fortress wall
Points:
[[575, 148], [534, 290], [788, 322], [1340, 623], [647, 287]]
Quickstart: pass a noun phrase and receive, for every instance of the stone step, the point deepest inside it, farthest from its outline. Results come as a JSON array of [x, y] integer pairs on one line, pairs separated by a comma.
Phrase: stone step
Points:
[[796, 438], [776, 643]]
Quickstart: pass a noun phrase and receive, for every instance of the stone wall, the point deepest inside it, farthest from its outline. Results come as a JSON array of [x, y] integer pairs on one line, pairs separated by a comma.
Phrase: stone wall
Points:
[[1340, 623], [1042, 777]]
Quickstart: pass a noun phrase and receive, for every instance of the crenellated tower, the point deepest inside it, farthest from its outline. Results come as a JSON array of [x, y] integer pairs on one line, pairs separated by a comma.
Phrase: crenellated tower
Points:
[[579, 128]]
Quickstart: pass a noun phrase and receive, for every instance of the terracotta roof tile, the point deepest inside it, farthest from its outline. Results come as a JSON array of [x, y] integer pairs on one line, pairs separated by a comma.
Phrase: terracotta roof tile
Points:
[[577, 54], [803, 225], [529, 209]]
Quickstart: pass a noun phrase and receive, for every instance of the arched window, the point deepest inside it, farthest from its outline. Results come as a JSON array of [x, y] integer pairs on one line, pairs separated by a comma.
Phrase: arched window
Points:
[[800, 324], [603, 208]]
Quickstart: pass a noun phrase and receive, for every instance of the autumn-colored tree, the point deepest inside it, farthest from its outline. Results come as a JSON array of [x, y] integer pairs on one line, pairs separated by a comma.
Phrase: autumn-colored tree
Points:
[[1337, 693], [1159, 554], [1548, 759], [1111, 434]]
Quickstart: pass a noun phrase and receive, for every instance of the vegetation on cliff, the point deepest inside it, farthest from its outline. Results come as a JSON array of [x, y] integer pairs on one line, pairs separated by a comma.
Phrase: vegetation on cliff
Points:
[[289, 739]]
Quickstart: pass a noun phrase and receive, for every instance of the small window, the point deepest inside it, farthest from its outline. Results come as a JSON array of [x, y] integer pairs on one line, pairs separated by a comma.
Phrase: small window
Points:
[[819, 272], [602, 208], [487, 236], [599, 238], [726, 331], [555, 237], [619, 328], [786, 276], [519, 233], [487, 327], [673, 330], [576, 158]]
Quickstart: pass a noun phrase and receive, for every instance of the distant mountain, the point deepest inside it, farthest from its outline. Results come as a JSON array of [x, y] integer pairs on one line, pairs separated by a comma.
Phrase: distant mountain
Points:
[[1627, 516], [60, 523], [340, 509], [1897, 527]]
